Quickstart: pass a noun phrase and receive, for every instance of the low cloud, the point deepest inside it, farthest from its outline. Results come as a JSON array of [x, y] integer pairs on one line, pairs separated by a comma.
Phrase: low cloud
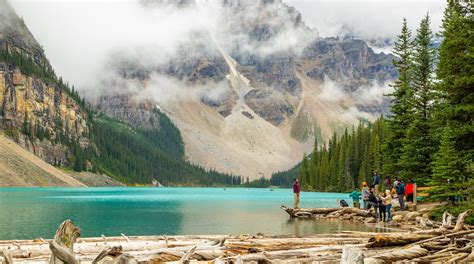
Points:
[[367, 19], [332, 92], [86, 36], [372, 95], [164, 90]]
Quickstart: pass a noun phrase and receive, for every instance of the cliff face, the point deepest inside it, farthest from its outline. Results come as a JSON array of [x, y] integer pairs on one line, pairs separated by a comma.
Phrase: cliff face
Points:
[[44, 107], [34, 108], [15, 36]]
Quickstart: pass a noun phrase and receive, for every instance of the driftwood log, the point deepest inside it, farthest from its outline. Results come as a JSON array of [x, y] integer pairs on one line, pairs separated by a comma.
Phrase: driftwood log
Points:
[[328, 212]]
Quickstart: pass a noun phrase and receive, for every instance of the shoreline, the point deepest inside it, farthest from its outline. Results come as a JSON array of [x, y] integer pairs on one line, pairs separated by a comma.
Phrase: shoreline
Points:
[[330, 248], [447, 241]]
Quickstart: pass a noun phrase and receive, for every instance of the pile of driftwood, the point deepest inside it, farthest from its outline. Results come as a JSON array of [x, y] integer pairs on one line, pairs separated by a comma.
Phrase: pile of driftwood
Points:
[[407, 220], [449, 242], [342, 213]]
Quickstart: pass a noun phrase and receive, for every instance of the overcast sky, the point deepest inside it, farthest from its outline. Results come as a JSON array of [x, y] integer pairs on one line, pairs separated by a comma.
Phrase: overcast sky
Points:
[[76, 33], [376, 18]]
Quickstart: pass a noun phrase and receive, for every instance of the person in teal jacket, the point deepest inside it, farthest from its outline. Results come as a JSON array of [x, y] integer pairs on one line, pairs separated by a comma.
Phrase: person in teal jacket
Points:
[[355, 195]]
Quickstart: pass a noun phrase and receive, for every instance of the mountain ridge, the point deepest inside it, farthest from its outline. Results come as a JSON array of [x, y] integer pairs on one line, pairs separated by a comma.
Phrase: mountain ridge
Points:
[[246, 80]]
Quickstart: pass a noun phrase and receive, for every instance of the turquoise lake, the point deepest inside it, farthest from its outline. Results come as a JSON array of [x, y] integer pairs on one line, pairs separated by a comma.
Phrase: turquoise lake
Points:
[[28, 213]]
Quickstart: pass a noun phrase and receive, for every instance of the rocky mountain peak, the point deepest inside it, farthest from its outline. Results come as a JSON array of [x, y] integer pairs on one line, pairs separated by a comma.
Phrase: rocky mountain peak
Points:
[[16, 37]]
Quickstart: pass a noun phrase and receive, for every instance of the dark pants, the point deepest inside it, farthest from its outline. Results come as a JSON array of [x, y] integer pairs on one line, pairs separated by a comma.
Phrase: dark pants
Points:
[[401, 201], [382, 212], [410, 197], [388, 209]]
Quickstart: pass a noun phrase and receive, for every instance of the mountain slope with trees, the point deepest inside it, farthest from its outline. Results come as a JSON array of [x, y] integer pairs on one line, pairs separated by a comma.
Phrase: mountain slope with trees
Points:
[[47, 116], [428, 137]]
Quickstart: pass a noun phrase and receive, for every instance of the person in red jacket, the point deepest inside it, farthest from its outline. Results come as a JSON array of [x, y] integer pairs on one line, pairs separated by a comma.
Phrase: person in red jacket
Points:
[[296, 193], [409, 189]]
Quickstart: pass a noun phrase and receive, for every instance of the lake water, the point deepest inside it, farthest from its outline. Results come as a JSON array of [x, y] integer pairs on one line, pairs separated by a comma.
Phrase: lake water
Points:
[[27, 213]]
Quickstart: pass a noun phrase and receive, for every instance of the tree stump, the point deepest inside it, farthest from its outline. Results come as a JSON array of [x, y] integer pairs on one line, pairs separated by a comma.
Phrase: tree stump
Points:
[[63, 242]]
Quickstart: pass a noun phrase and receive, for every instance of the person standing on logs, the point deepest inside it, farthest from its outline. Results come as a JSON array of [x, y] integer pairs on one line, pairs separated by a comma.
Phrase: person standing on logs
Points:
[[401, 194], [409, 190], [382, 208], [372, 201], [355, 195], [387, 183], [365, 194], [296, 193], [376, 183], [387, 201]]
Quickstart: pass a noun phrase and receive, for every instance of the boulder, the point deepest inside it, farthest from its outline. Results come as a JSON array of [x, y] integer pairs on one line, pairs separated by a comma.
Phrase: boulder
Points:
[[347, 217], [398, 217], [370, 220], [412, 215]]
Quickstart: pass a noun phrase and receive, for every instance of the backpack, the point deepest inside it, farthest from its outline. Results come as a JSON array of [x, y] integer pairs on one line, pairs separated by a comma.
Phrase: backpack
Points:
[[343, 203], [401, 188]]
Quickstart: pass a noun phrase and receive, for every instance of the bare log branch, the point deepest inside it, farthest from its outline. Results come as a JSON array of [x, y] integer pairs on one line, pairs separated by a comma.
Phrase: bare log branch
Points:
[[6, 256], [460, 222], [63, 242]]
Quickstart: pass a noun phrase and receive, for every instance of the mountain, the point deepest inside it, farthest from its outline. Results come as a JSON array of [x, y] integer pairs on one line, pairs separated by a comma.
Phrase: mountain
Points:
[[251, 94], [45, 115]]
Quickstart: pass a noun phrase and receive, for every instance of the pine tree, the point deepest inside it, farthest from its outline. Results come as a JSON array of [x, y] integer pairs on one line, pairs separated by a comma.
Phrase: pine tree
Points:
[[304, 174], [321, 184], [419, 144], [400, 107], [376, 155], [448, 179], [455, 72], [313, 165], [341, 166]]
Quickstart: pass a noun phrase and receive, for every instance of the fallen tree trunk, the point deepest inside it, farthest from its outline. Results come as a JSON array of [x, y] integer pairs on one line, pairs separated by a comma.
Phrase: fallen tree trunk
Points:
[[329, 212], [418, 237], [397, 255], [398, 239], [307, 211]]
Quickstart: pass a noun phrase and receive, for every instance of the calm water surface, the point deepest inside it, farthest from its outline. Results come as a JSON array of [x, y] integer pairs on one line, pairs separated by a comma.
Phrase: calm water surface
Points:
[[27, 213]]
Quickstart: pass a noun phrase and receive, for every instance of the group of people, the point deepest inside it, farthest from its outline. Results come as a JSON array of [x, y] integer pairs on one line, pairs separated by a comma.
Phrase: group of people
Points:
[[382, 202]]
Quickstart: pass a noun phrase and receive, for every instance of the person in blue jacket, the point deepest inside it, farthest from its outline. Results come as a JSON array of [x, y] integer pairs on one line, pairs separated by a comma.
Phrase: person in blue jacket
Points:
[[355, 195], [376, 183]]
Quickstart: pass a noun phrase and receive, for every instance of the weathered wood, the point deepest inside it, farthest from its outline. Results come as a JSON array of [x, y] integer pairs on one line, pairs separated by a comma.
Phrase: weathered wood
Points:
[[7, 257], [470, 257], [447, 219], [351, 210], [328, 212], [113, 251], [185, 258], [397, 255], [460, 222], [441, 245], [352, 255], [397, 239], [62, 244], [300, 212]]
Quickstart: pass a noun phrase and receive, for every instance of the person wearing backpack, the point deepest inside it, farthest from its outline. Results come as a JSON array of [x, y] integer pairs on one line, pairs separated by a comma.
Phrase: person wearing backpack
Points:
[[401, 194]]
